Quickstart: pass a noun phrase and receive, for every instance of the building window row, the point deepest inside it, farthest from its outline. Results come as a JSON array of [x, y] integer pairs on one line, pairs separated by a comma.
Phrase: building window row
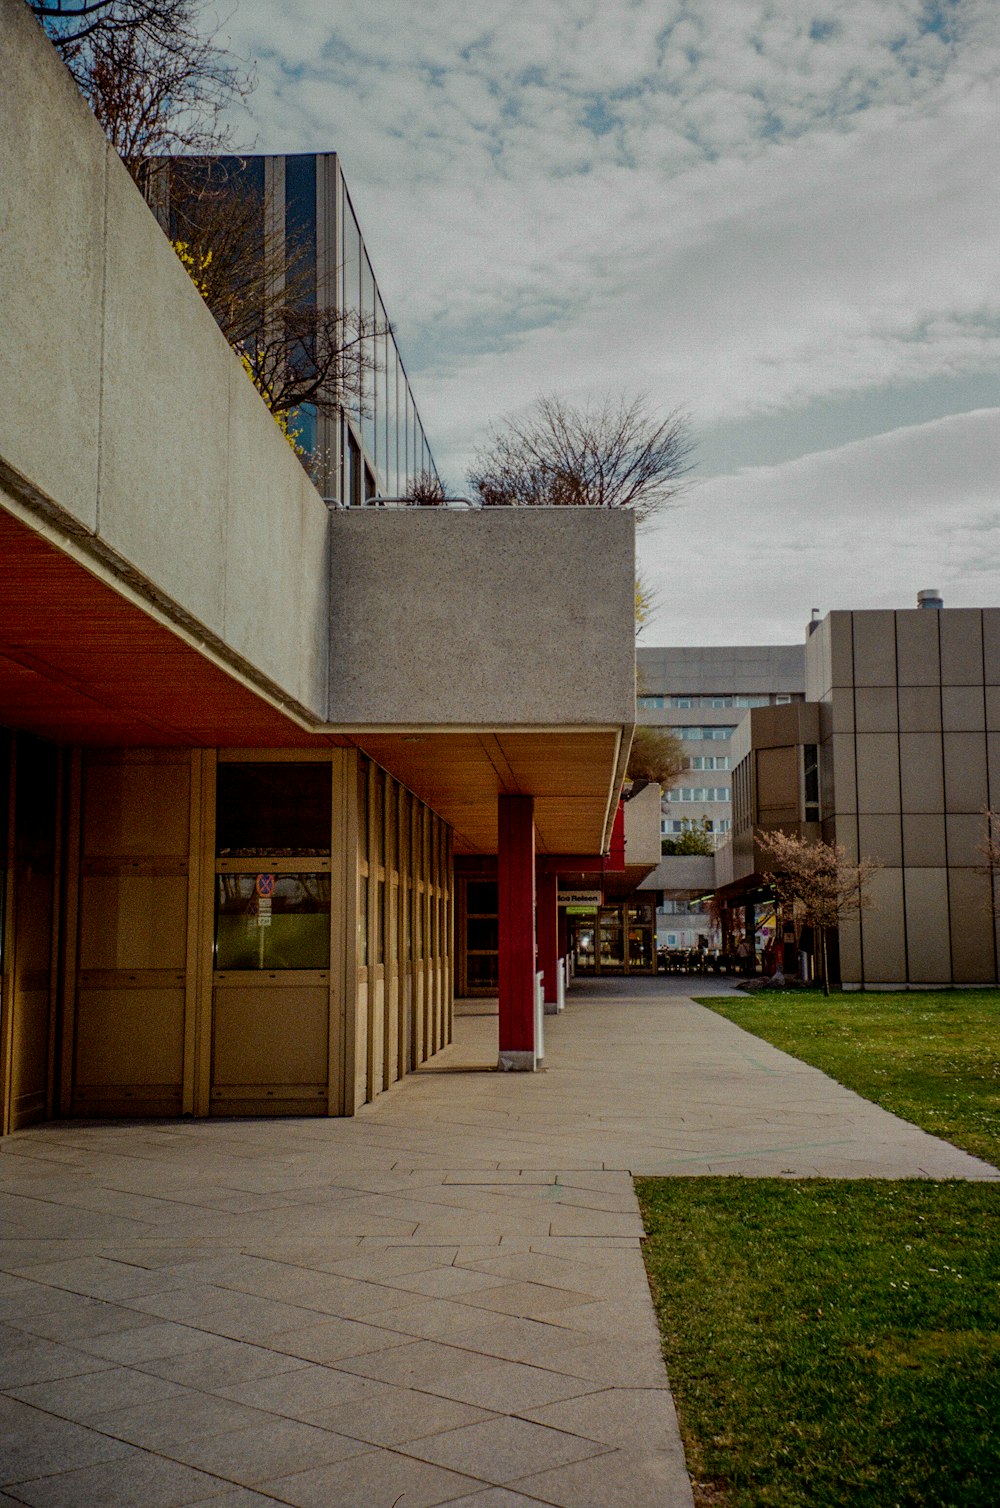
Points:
[[670, 826], [705, 735], [699, 793], [719, 701], [708, 762]]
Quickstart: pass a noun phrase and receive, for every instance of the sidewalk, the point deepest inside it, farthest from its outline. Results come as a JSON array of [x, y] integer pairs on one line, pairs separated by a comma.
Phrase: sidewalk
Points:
[[442, 1300]]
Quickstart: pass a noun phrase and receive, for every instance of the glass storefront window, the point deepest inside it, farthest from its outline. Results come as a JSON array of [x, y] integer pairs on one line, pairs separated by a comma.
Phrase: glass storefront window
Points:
[[282, 810], [272, 921], [483, 971]]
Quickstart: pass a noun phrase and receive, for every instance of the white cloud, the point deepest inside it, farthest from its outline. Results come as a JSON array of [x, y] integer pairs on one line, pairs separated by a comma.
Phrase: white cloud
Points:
[[746, 208], [745, 558]]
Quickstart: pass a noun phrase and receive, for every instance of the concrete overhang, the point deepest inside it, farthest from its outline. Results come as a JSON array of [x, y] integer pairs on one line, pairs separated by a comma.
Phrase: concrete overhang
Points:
[[476, 653]]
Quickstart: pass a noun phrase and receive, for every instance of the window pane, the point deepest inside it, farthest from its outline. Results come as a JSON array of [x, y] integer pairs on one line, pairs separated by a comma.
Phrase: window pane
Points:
[[293, 932], [284, 810], [481, 898]]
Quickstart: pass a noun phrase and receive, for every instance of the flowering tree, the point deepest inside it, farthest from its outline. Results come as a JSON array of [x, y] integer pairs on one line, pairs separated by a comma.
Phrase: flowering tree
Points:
[[817, 879]]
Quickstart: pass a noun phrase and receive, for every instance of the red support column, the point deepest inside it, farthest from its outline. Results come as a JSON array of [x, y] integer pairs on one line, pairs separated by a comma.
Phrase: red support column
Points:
[[548, 932], [616, 857], [516, 897]]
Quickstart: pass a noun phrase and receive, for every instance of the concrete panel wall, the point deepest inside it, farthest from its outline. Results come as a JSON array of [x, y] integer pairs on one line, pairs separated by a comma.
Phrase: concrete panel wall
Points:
[[924, 773], [497, 617], [910, 760], [126, 418], [725, 670], [642, 827]]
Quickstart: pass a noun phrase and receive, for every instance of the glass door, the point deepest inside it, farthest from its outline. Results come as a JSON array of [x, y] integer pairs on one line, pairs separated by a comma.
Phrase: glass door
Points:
[[641, 939], [610, 938]]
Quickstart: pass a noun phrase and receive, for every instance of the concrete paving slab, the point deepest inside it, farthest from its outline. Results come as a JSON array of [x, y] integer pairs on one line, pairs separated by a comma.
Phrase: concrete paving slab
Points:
[[444, 1297]]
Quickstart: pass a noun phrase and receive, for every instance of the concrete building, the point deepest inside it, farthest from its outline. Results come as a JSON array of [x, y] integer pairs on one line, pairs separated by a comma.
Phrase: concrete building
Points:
[[701, 695], [896, 755], [246, 736]]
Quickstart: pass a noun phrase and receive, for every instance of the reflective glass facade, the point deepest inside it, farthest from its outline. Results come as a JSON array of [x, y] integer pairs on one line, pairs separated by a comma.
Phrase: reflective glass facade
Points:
[[374, 446]]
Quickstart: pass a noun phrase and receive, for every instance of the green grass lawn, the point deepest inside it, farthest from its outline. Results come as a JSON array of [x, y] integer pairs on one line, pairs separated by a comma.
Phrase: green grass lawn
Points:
[[931, 1056], [828, 1342], [838, 1342]]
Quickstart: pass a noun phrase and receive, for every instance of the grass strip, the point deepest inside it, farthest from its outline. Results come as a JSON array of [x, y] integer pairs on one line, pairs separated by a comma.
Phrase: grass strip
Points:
[[831, 1342], [932, 1056]]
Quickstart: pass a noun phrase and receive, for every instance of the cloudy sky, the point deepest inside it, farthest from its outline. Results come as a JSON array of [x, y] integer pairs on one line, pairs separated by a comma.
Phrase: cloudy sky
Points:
[[780, 217]]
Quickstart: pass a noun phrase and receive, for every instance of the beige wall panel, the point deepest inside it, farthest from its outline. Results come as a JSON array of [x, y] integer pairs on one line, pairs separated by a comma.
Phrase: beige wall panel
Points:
[[359, 1072], [991, 644], [882, 932], [391, 1034], [963, 708], [875, 709], [841, 649], [878, 772], [924, 840], [841, 751], [965, 784], [419, 993], [921, 771], [875, 648], [850, 950], [270, 1034], [136, 807], [993, 768], [919, 709], [133, 921], [838, 713], [29, 1049], [993, 708], [846, 834], [881, 838], [777, 786], [819, 666], [129, 1038], [972, 929], [376, 1035], [966, 831], [917, 651], [927, 942], [961, 646]]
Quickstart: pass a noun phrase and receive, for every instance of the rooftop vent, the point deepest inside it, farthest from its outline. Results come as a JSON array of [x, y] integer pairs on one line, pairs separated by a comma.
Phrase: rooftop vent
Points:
[[930, 597]]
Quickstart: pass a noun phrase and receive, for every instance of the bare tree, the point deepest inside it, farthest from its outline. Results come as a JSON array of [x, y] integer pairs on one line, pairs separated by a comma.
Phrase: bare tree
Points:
[[155, 79], [818, 880], [613, 454], [426, 490]]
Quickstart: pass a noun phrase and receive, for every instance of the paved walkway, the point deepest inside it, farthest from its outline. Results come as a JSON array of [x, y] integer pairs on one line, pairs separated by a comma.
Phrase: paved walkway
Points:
[[441, 1301]]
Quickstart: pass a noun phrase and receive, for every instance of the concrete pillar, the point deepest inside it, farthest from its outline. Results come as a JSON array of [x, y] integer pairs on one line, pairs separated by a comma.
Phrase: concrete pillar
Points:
[[516, 904], [548, 933]]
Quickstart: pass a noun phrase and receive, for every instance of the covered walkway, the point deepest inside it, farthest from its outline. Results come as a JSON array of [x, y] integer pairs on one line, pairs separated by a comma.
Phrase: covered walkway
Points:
[[441, 1300]]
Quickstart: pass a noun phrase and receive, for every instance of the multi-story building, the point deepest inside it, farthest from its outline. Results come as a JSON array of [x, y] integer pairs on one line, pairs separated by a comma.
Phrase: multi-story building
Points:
[[895, 756], [701, 695], [376, 447]]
